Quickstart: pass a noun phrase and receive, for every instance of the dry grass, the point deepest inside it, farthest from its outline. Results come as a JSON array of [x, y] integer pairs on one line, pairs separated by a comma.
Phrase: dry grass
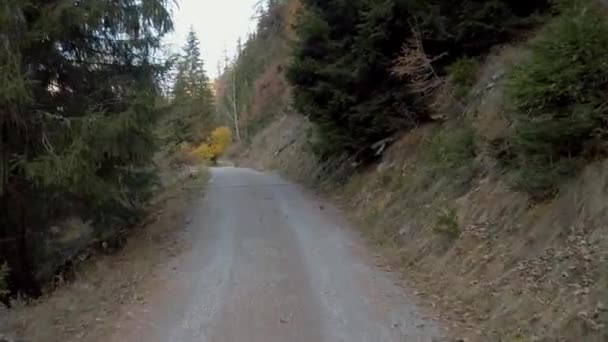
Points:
[[514, 272], [489, 102], [88, 307]]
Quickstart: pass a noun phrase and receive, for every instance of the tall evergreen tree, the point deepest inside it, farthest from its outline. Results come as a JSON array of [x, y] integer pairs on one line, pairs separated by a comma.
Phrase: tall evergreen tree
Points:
[[77, 104], [340, 71], [193, 115]]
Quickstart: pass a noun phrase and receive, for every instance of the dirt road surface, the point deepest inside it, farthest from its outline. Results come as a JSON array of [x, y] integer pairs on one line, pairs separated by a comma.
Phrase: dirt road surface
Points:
[[268, 262]]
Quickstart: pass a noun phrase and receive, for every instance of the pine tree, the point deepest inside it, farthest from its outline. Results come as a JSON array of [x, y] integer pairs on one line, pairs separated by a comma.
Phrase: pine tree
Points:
[[196, 83], [340, 71], [193, 115], [77, 105]]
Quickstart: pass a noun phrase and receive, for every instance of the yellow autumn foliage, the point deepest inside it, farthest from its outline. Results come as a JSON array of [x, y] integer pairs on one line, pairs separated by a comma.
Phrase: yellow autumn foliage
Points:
[[215, 145], [220, 137]]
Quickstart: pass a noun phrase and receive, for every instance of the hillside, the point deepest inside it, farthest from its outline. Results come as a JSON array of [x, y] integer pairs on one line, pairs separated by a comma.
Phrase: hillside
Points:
[[480, 178]]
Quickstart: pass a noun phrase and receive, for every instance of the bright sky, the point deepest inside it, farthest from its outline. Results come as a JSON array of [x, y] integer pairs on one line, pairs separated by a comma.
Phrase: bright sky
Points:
[[217, 23]]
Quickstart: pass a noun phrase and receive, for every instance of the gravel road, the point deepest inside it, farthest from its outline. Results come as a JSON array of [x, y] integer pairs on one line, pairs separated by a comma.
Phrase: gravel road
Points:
[[269, 262]]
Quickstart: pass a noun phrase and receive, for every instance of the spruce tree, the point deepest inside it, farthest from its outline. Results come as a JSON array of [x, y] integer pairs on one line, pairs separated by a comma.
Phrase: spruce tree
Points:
[[193, 115], [77, 105], [340, 71]]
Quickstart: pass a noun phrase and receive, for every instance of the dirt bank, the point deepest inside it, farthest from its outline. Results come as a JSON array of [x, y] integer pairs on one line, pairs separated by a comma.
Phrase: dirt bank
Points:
[[108, 287]]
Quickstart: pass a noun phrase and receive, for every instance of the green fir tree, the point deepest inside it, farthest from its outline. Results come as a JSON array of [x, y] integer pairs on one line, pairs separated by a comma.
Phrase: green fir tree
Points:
[[193, 114]]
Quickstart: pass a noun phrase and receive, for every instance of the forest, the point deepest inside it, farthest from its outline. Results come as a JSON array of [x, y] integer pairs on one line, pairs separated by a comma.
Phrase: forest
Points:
[[363, 71], [347, 56]]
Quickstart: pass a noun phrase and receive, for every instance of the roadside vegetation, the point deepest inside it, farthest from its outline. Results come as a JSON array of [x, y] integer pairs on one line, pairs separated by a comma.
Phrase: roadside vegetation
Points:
[[105, 286], [214, 147], [77, 114], [559, 100], [446, 223], [91, 119], [462, 75]]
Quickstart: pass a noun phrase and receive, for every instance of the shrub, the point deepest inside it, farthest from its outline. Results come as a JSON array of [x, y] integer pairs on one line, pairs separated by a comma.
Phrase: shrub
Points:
[[451, 147], [446, 223], [462, 75], [559, 99], [215, 146], [220, 138]]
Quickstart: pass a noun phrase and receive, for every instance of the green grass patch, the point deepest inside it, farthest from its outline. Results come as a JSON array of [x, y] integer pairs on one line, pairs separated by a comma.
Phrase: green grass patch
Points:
[[451, 147], [446, 223], [462, 75]]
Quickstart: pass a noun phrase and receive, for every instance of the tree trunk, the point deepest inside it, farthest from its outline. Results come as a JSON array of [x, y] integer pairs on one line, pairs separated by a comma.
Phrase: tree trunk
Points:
[[234, 109], [14, 247]]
